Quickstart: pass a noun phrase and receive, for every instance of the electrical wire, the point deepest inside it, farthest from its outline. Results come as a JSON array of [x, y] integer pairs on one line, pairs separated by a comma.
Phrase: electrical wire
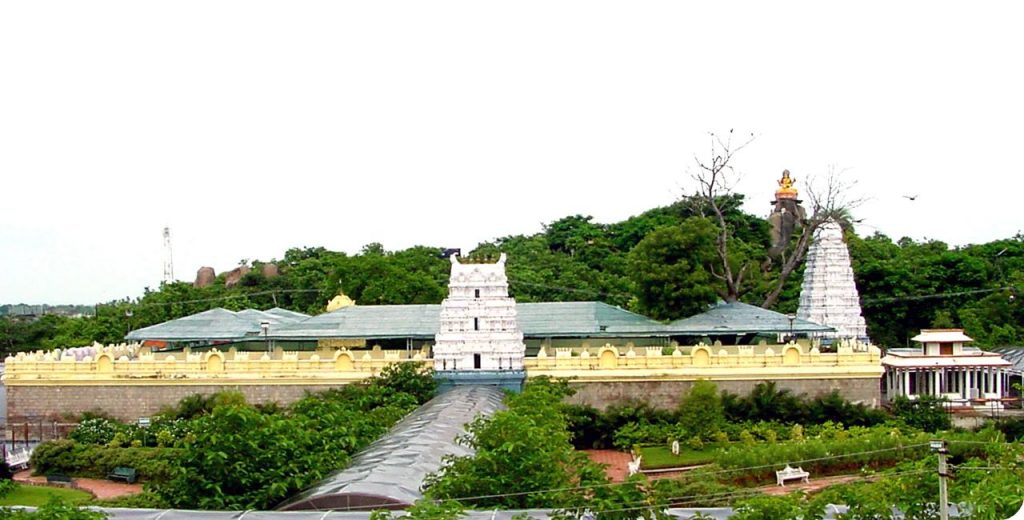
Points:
[[703, 473], [938, 295]]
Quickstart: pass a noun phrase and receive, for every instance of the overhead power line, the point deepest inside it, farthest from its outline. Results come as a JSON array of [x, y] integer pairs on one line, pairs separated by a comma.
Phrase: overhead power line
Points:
[[940, 295], [702, 474]]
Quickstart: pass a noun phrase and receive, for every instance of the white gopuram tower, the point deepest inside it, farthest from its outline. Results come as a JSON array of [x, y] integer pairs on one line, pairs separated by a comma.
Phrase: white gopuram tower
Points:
[[829, 295], [479, 340]]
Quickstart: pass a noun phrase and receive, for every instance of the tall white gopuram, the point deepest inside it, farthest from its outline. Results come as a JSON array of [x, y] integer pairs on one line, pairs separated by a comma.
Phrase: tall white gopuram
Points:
[[829, 295], [479, 338]]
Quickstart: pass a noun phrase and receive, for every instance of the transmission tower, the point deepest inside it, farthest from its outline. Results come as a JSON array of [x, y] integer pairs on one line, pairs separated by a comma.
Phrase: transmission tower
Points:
[[168, 261]]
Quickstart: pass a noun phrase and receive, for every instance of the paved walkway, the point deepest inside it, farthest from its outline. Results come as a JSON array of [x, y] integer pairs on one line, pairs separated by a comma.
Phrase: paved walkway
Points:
[[816, 484], [617, 463], [617, 469], [99, 488]]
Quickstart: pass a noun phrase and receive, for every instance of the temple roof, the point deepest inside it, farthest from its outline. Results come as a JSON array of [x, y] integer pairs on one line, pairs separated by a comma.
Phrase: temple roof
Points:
[[942, 336], [538, 320], [741, 318], [1014, 355], [216, 324]]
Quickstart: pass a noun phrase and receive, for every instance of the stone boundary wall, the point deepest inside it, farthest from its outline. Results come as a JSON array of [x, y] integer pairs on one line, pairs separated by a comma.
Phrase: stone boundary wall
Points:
[[665, 394], [128, 403]]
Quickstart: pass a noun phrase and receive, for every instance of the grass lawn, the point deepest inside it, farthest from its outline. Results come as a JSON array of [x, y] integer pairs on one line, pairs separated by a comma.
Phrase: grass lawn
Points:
[[38, 495], [657, 457]]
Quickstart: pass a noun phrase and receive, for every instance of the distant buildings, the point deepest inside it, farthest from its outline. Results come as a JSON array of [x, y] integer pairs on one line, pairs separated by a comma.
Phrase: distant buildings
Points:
[[945, 366]]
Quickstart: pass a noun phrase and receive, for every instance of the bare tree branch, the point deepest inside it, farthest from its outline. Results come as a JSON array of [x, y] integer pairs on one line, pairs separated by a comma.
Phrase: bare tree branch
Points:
[[831, 198], [715, 181]]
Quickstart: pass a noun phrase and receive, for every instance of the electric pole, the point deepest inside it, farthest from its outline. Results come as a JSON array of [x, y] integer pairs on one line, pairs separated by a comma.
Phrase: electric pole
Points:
[[939, 447]]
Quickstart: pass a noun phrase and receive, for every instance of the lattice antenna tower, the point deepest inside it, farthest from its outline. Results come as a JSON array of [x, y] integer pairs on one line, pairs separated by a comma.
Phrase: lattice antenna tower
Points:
[[168, 260]]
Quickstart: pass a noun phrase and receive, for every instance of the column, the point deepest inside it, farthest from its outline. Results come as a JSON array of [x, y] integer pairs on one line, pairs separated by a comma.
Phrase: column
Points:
[[999, 382], [906, 383]]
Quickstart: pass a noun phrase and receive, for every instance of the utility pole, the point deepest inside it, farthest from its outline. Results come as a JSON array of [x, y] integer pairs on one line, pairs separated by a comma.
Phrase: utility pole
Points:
[[939, 447]]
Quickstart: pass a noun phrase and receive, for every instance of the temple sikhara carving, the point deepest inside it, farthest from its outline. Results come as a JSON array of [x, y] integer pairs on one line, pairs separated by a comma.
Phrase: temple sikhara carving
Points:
[[828, 294]]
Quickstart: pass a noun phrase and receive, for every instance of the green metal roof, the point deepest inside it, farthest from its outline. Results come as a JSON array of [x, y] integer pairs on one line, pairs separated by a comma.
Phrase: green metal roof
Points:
[[215, 324], [538, 320], [741, 318], [572, 319]]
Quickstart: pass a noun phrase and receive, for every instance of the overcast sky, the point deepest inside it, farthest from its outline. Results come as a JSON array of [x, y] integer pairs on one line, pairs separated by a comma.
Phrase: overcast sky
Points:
[[251, 127]]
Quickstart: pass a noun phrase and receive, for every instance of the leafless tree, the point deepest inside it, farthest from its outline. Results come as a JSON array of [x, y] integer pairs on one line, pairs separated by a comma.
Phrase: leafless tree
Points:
[[830, 198], [715, 182]]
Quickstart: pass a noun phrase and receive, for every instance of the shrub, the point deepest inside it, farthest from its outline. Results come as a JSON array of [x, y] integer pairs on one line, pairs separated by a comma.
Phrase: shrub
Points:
[[747, 438], [93, 461], [700, 410], [590, 429], [55, 509], [144, 500], [796, 433], [408, 378], [695, 442], [97, 430], [926, 413], [7, 487], [721, 438]]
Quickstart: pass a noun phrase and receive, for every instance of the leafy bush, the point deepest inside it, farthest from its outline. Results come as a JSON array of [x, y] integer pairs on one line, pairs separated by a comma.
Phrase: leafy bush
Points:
[[55, 509], [1013, 429], [98, 430], [7, 487], [93, 461], [527, 448], [408, 378], [926, 413], [144, 500], [700, 409]]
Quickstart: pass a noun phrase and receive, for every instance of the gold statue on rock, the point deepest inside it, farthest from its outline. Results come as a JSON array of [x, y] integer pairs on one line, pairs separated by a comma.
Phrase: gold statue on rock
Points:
[[786, 184]]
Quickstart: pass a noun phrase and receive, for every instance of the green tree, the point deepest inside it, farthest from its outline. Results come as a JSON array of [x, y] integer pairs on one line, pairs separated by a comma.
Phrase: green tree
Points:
[[700, 410], [526, 448], [671, 270]]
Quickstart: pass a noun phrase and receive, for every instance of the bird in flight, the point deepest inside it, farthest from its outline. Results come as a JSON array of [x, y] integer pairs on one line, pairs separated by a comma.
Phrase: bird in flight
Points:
[[911, 197]]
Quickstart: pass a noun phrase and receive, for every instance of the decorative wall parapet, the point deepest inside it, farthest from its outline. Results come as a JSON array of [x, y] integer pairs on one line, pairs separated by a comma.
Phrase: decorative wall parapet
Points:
[[717, 359], [186, 366], [132, 365]]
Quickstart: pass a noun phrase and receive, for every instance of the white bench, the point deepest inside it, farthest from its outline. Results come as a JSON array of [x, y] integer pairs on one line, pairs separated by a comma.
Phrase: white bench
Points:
[[18, 459], [789, 473]]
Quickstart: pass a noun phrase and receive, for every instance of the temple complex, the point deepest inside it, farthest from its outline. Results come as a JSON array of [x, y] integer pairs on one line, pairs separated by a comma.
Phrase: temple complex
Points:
[[829, 294], [945, 366], [479, 335]]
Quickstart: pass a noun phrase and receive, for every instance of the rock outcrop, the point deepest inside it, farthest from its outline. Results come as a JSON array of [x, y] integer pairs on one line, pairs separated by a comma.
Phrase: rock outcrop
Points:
[[205, 277], [232, 277]]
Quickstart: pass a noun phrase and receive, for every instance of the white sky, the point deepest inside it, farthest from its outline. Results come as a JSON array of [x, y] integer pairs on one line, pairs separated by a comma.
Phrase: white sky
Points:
[[251, 127]]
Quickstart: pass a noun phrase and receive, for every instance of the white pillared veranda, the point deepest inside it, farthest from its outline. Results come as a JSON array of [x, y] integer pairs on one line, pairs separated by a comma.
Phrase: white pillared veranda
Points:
[[478, 329], [829, 295]]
